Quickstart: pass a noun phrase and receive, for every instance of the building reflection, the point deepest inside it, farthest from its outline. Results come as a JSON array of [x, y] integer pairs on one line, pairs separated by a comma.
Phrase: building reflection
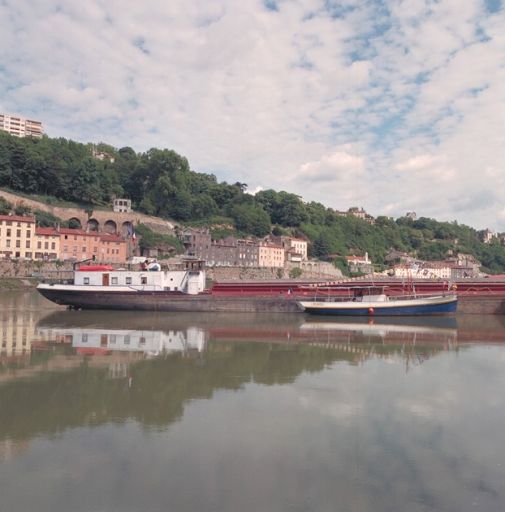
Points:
[[95, 341], [17, 332]]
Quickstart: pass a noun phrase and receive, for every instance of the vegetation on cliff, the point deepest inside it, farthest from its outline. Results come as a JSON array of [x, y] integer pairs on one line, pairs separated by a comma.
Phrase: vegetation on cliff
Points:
[[160, 182]]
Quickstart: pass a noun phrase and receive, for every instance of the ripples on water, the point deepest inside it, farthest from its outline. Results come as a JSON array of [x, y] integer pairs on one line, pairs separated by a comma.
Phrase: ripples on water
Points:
[[137, 411]]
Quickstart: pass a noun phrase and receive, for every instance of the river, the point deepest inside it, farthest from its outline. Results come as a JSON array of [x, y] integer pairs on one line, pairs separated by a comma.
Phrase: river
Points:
[[126, 411]]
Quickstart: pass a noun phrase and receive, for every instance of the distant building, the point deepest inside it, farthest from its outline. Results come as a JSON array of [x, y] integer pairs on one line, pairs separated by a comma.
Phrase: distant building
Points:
[[411, 215], [361, 264], [122, 205], [102, 155], [228, 252], [486, 235], [354, 211], [270, 255], [295, 248], [80, 245], [20, 126], [447, 269], [47, 244], [17, 234]]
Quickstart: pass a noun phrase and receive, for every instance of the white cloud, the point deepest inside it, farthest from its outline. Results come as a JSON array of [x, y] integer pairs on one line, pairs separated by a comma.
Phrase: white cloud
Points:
[[338, 103]]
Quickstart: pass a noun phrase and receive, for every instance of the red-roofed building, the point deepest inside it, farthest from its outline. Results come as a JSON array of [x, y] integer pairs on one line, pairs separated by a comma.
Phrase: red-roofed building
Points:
[[47, 244], [17, 234], [80, 245]]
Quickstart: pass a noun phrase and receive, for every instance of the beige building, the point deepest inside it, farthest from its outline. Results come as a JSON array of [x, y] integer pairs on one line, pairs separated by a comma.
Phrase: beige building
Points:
[[17, 236], [20, 126], [270, 255], [122, 205]]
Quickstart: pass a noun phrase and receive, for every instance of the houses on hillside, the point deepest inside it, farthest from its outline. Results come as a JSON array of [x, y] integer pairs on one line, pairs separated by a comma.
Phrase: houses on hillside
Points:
[[272, 251]]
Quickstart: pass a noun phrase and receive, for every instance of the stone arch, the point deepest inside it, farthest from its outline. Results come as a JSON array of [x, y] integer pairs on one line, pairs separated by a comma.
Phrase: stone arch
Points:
[[110, 227], [126, 228], [93, 225], [75, 223]]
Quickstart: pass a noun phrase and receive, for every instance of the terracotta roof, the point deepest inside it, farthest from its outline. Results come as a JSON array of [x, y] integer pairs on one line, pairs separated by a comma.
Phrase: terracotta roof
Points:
[[46, 231], [17, 218]]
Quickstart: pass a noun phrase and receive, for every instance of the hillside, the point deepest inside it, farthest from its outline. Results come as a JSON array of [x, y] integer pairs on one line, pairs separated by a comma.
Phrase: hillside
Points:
[[161, 183]]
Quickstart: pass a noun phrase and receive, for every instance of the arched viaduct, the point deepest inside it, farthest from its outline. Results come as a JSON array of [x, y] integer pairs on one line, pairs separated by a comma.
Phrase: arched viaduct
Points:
[[95, 220]]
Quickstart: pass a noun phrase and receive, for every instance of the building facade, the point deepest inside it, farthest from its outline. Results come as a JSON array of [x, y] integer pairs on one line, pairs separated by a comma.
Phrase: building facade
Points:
[[271, 255], [361, 264], [122, 205], [46, 244], [17, 235], [76, 244], [20, 126]]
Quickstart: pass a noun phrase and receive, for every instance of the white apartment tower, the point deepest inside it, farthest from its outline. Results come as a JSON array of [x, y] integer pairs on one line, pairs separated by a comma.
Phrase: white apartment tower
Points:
[[20, 127]]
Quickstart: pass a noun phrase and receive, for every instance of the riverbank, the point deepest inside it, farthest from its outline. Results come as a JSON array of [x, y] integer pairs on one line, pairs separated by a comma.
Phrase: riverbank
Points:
[[14, 283]]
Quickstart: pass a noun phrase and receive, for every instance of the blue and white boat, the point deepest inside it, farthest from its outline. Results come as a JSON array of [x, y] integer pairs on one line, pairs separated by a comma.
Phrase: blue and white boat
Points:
[[373, 301]]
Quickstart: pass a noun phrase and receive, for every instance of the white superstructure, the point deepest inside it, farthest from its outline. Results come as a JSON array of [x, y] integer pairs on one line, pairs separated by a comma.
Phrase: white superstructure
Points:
[[190, 282]]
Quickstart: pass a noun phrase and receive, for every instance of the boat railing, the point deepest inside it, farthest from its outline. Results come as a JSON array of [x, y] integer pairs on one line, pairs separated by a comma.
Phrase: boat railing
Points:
[[404, 296]]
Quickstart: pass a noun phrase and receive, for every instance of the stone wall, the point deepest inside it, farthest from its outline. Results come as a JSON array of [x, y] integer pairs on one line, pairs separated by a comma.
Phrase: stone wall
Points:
[[29, 268], [310, 270]]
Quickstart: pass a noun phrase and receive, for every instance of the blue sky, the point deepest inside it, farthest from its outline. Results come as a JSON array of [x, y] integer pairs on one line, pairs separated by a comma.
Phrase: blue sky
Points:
[[395, 106]]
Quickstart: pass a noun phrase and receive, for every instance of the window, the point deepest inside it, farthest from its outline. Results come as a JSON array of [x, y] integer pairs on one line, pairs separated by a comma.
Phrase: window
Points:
[[18, 243], [28, 244], [143, 280], [86, 280], [7, 243], [39, 245], [128, 280], [8, 232], [46, 245], [84, 249], [53, 245], [18, 233], [28, 255], [114, 280], [84, 337], [28, 234]]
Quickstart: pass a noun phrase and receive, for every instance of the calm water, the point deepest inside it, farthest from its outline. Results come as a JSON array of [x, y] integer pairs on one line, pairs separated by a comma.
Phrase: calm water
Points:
[[104, 411]]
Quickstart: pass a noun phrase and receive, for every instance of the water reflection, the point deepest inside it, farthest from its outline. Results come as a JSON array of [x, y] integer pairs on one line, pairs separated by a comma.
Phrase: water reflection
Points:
[[144, 411]]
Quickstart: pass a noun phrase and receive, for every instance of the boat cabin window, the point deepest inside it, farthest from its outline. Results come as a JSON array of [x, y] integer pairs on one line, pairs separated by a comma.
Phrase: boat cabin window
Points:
[[86, 280], [114, 280], [143, 280], [128, 280]]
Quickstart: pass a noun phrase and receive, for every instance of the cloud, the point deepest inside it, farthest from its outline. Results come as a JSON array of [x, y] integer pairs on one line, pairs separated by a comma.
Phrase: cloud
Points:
[[274, 94]]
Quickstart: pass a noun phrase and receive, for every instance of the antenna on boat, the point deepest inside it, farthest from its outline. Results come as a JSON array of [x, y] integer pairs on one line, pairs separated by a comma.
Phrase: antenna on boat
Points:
[[75, 263]]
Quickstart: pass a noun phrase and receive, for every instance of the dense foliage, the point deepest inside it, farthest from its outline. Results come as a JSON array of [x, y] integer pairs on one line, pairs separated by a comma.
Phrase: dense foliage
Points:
[[160, 182]]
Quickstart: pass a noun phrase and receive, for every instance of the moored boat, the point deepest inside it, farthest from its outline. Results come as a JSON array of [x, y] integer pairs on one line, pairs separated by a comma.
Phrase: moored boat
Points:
[[373, 301]]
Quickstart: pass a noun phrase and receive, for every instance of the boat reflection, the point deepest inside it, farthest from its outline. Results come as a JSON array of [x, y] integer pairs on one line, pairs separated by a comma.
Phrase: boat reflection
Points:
[[389, 330], [95, 341]]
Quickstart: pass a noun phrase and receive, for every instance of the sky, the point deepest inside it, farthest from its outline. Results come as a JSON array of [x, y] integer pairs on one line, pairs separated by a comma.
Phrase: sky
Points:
[[395, 106]]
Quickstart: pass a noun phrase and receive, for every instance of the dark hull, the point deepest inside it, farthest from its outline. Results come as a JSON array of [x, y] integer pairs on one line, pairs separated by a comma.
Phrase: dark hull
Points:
[[428, 309], [169, 301]]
